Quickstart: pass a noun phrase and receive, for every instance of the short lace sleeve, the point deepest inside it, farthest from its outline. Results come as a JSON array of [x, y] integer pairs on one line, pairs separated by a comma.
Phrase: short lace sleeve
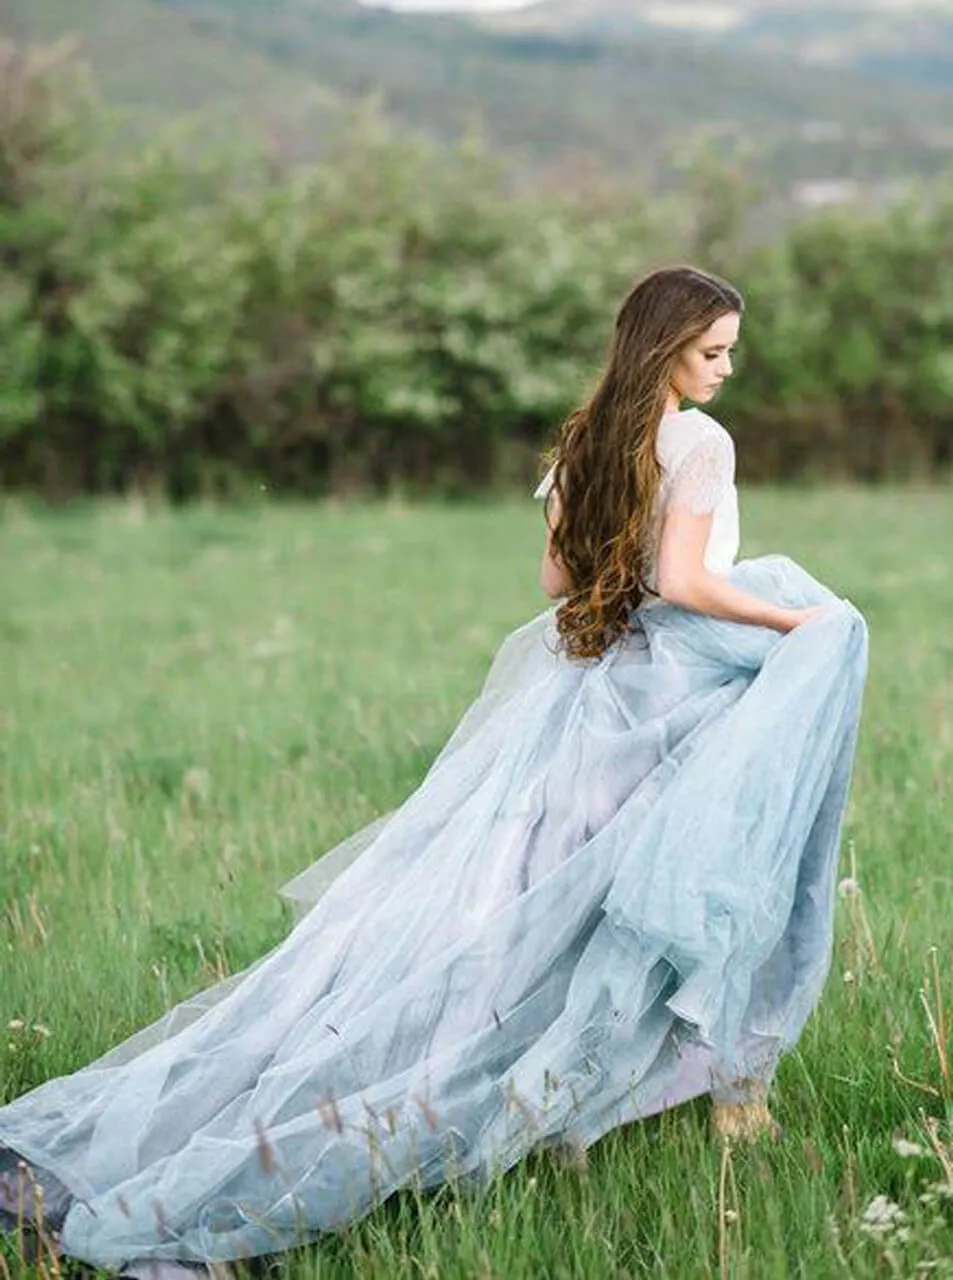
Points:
[[705, 476]]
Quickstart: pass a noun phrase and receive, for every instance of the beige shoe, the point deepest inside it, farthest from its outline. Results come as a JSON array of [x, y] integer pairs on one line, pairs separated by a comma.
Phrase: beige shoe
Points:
[[745, 1121], [749, 1119]]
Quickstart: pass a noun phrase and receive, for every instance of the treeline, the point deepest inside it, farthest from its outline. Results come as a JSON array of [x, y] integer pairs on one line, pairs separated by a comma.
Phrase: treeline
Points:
[[191, 320]]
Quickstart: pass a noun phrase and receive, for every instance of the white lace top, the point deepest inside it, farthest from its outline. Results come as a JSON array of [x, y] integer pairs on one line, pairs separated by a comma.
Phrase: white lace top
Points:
[[697, 456]]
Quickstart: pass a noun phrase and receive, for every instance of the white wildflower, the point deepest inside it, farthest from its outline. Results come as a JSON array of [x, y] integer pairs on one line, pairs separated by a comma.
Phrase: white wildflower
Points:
[[849, 977], [16, 1024], [848, 887], [882, 1217], [908, 1150]]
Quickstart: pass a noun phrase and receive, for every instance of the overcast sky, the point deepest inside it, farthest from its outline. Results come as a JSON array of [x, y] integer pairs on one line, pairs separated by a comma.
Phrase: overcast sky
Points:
[[433, 6]]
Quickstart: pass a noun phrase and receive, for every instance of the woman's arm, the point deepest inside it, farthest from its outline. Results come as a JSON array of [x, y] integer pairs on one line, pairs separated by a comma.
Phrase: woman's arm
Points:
[[682, 576], [684, 580]]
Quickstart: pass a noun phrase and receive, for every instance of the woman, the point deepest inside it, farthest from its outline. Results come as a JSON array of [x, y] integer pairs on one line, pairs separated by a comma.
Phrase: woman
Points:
[[611, 893]]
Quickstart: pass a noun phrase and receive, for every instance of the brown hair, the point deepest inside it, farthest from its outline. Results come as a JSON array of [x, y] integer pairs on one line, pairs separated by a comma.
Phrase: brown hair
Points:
[[608, 476]]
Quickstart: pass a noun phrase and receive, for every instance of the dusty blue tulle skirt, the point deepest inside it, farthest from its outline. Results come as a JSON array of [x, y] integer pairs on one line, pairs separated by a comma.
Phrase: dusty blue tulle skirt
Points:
[[612, 892]]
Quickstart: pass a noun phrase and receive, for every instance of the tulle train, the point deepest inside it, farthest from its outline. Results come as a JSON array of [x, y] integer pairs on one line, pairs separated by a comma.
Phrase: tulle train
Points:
[[612, 892]]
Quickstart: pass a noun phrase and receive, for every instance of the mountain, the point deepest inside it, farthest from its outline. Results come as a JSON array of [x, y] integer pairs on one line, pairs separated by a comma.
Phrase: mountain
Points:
[[908, 40], [564, 103], [595, 92], [158, 63]]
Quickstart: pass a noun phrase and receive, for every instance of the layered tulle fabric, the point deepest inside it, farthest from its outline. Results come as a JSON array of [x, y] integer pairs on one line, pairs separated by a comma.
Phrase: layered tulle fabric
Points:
[[612, 892]]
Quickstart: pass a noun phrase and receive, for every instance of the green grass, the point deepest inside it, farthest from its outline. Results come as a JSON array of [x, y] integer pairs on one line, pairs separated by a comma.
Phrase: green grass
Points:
[[194, 705]]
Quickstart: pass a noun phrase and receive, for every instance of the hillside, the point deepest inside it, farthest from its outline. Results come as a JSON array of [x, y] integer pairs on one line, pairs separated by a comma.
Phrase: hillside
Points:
[[559, 105], [567, 105], [161, 63], [908, 40]]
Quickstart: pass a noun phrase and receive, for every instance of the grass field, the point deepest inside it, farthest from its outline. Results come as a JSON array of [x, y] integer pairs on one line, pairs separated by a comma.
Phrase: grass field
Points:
[[194, 705]]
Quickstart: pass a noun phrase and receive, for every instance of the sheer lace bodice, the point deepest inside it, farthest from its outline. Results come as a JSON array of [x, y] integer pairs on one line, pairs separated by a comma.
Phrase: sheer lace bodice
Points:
[[697, 456]]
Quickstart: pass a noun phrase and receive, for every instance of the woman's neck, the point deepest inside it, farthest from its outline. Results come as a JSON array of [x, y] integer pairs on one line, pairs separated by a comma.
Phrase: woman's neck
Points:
[[673, 403]]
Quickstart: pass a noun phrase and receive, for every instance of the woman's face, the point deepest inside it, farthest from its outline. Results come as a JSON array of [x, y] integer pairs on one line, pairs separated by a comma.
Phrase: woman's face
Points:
[[706, 362]]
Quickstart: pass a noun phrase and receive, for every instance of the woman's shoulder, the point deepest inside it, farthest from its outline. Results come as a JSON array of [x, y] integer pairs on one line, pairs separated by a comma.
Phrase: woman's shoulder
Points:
[[681, 433], [696, 424]]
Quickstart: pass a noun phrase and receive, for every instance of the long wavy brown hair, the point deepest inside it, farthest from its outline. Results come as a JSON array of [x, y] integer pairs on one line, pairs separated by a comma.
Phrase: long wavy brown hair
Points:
[[608, 475]]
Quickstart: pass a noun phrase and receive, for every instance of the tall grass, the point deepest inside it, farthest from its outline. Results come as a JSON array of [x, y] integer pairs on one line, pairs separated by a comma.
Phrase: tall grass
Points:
[[194, 705]]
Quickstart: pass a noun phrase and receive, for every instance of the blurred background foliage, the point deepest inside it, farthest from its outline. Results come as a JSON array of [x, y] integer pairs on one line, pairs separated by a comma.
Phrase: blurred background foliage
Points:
[[194, 315]]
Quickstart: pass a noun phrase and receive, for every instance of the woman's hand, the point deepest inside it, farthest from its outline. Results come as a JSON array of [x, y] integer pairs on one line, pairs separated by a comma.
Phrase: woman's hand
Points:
[[683, 579], [800, 616]]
